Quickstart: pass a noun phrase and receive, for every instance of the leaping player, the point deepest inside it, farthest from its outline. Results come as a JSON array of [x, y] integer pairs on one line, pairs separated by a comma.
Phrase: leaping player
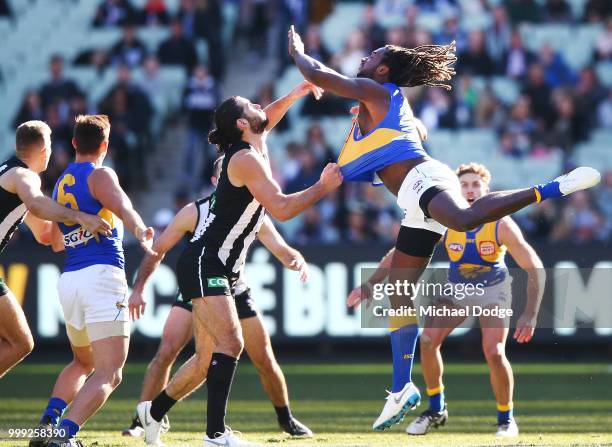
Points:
[[384, 143], [477, 257], [178, 329]]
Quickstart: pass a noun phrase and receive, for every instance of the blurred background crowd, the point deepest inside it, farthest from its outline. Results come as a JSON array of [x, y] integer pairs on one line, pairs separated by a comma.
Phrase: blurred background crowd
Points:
[[532, 96]]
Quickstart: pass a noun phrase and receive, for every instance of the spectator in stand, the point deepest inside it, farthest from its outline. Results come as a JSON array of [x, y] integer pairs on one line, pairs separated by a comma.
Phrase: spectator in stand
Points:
[[314, 45], [314, 230], [154, 13], [604, 111], [58, 90], [96, 58], [466, 96], [5, 10], [387, 8], [129, 50], [597, 10], [589, 94], [114, 13], [438, 110], [508, 146], [451, 30], [569, 127], [31, 109], [579, 222], [488, 112], [374, 31], [200, 98], [151, 82], [558, 11], [398, 35], [517, 59], [208, 26], [264, 97], [539, 94], [177, 49], [539, 220], [521, 126], [603, 46], [358, 230], [521, 11], [308, 174], [499, 35], [556, 71], [187, 16], [315, 142], [349, 58], [475, 59]]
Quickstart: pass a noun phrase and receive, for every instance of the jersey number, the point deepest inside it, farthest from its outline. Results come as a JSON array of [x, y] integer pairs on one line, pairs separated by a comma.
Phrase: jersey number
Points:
[[66, 198]]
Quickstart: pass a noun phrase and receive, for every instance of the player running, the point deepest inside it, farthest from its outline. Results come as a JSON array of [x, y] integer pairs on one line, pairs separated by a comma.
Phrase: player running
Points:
[[384, 143], [19, 193], [477, 257], [209, 267], [93, 288], [178, 329]]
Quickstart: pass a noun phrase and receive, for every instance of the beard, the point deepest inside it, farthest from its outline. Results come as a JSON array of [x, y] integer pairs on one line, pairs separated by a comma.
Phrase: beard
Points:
[[258, 125]]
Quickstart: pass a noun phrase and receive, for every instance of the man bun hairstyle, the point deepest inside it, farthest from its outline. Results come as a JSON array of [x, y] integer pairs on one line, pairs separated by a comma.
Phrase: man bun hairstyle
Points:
[[226, 133], [475, 168], [30, 135], [89, 133], [424, 65]]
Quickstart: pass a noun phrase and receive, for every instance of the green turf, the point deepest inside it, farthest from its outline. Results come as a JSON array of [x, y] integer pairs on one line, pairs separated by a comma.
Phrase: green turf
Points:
[[556, 404]]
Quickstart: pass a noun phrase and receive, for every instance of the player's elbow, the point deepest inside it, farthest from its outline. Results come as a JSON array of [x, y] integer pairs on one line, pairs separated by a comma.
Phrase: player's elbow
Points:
[[280, 210]]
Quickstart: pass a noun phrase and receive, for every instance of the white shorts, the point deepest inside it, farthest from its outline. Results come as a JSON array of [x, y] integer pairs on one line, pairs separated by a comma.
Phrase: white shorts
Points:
[[420, 179], [95, 294]]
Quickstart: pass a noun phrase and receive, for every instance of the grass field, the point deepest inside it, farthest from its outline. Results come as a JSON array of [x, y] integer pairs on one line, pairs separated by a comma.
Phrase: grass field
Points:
[[555, 404]]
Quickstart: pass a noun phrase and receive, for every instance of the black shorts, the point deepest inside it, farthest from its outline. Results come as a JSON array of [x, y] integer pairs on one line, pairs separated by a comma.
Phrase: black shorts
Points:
[[245, 306], [203, 276], [3, 288]]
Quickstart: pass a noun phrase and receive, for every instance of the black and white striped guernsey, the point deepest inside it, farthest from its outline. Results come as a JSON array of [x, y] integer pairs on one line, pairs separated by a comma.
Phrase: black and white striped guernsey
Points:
[[228, 221], [12, 209]]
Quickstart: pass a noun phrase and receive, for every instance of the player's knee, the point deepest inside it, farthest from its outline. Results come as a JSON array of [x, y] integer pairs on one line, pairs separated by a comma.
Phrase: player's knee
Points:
[[167, 353], [25, 345], [429, 341], [115, 378], [494, 352], [233, 344]]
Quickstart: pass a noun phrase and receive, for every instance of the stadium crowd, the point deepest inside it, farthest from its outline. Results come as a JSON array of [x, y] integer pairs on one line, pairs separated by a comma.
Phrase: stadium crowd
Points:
[[556, 108]]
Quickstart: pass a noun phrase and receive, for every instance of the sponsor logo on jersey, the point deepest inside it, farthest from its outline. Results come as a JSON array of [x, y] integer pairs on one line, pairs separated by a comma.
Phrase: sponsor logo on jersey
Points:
[[217, 281], [455, 246], [77, 237], [486, 247]]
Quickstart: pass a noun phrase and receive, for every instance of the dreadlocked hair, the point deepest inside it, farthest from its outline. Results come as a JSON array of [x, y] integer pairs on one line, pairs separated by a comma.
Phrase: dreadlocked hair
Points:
[[424, 65]]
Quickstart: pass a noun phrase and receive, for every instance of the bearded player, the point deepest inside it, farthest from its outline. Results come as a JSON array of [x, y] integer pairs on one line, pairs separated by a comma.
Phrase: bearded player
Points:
[[384, 145]]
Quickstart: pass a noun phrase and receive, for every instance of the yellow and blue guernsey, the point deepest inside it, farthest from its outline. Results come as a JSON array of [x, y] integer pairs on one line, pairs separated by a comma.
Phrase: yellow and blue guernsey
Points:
[[476, 256], [394, 139], [82, 249]]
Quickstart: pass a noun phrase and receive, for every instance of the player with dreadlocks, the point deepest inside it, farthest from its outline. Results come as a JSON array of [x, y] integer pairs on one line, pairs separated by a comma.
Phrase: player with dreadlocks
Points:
[[384, 145]]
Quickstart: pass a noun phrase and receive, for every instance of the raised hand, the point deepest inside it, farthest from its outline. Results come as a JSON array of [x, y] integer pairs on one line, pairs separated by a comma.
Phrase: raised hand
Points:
[[295, 42]]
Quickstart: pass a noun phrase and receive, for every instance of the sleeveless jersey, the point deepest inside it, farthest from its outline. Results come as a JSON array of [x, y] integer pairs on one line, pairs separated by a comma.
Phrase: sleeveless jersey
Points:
[[394, 139], [12, 209], [228, 221], [82, 249], [476, 256]]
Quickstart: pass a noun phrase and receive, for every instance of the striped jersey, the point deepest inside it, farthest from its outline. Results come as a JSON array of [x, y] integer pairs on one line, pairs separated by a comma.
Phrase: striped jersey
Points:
[[228, 221], [394, 139], [82, 249], [12, 209]]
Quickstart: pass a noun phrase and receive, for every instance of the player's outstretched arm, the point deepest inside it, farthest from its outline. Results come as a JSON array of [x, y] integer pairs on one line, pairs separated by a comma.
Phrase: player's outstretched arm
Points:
[[27, 186], [525, 256], [104, 186], [361, 89], [41, 229], [247, 168], [380, 274], [278, 108], [184, 222], [287, 255]]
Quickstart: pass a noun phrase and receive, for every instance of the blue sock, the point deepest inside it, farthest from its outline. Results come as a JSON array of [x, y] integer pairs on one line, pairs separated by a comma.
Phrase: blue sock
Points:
[[548, 190], [504, 413], [71, 428], [436, 399], [53, 413], [403, 345]]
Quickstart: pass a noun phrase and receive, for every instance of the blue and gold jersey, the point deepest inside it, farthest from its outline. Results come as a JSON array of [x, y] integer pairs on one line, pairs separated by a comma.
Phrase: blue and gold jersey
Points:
[[82, 249], [394, 139], [476, 256]]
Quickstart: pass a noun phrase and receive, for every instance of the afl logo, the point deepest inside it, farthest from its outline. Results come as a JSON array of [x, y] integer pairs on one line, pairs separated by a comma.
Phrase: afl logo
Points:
[[455, 246], [486, 248]]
